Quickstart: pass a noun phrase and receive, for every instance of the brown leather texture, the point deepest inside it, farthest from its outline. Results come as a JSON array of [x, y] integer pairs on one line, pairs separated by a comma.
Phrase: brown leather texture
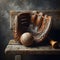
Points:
[[35, 22]]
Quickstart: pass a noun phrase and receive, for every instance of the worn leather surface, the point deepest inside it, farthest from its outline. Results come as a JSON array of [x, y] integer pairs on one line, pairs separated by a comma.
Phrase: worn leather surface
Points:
[[35, 22]]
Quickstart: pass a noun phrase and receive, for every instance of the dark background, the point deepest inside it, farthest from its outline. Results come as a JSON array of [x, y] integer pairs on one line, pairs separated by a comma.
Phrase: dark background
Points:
[[5, 32]]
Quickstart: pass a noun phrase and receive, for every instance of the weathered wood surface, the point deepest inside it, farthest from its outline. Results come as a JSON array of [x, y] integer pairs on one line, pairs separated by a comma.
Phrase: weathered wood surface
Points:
[[15, 48]]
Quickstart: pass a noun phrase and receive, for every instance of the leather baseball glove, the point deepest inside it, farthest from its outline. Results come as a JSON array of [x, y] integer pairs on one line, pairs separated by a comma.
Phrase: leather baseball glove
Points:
[[37, 23]]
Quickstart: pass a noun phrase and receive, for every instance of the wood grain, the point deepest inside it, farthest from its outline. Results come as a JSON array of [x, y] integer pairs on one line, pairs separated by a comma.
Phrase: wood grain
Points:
[[16, 48]]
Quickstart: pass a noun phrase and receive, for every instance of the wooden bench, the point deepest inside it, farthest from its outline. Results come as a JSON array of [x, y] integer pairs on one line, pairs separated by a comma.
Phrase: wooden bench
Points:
[[14, 48]]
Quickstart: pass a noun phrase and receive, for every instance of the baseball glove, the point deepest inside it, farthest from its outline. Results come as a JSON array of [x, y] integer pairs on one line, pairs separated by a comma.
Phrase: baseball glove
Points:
[[37, 23]]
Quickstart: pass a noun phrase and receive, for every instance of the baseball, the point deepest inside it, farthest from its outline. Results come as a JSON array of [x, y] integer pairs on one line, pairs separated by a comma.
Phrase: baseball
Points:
[[26, 39]]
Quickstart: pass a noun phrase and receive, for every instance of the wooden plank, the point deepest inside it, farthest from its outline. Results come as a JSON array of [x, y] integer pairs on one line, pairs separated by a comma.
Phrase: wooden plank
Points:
[[13, 42], [18, 57], [13, 48], [14, 12]]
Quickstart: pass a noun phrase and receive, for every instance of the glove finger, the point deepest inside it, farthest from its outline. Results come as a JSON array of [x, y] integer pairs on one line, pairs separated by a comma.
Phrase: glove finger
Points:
[[39, 19], [34, 17], [43, 23]]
